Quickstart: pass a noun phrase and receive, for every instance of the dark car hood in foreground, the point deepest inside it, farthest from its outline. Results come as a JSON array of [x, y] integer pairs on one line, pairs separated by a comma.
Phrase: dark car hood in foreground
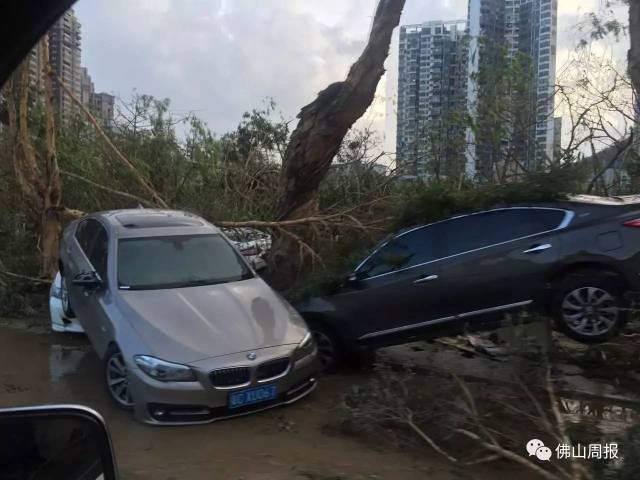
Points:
[[188, 324]]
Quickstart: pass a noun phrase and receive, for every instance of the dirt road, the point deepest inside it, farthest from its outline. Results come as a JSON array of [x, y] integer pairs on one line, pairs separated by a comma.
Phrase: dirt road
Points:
[[296, 442]]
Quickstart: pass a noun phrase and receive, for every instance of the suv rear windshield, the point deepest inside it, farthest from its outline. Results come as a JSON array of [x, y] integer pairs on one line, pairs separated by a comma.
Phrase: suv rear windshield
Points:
[[178, 261]]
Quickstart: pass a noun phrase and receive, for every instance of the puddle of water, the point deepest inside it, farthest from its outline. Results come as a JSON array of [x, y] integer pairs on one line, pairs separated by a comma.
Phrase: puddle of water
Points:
[[281, 444], [64, 360]]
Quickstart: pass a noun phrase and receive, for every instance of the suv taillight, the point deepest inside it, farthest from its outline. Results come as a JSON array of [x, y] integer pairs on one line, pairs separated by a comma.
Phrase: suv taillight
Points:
[[635, 223]]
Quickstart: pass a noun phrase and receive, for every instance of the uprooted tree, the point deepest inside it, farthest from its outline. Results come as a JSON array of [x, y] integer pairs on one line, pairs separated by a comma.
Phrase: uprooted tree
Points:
[[322, 126]]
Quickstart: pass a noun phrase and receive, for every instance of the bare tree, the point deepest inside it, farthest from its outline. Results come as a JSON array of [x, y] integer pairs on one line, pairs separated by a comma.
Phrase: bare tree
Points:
[[595, 96], [634, 51], [322, 126]]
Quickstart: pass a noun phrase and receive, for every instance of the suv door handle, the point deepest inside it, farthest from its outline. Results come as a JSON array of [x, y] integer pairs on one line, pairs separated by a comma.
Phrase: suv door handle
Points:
[[538, 248], [426, 278]]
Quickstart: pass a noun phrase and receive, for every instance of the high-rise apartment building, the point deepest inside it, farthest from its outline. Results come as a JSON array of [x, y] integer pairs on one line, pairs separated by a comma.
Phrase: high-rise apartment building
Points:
[[103, 105], [497, 31], [526, 31], [538, 40], [65, 56], [65, 50], [431, 79], [86, 86]]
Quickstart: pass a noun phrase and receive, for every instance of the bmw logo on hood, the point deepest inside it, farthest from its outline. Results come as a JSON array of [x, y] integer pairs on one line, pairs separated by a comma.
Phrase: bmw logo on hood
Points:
[[252, 355]]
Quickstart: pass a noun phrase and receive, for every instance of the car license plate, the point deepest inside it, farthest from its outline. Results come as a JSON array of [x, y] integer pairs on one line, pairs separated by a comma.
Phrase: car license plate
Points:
[[252, 395]]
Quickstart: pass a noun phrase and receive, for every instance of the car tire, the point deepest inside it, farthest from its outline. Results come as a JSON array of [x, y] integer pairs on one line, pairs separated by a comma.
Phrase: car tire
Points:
[[589, 307], [330, 351], [67, 309], [116, 378]]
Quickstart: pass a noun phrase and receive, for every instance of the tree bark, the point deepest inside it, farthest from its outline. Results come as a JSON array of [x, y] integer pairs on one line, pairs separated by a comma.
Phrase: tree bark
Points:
[[52, 188], [37, 174], [321, 128], [634, 51]]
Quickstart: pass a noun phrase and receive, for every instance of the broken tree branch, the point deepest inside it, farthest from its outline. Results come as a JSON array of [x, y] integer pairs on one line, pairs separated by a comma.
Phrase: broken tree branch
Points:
[[159, 201], [107, 189]]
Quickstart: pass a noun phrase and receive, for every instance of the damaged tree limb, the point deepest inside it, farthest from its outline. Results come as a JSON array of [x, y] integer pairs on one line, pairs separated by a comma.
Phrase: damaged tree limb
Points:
[[144, 183], [321, 128]]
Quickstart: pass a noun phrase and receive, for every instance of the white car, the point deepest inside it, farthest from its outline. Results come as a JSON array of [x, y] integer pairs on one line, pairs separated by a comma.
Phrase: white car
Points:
[[251, 243], [61, 322]]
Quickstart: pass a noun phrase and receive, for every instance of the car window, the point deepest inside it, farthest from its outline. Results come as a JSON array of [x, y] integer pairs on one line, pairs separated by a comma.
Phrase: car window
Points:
[[406, 250], [86, 233], [98, 254], [178, 261], [490, 228]]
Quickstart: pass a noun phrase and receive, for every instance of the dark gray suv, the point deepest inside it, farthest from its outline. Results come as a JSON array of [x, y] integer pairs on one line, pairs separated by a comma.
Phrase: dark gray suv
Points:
[[573, 259]]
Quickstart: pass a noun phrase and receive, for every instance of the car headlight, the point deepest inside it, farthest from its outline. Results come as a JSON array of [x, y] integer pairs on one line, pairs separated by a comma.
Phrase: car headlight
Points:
[[306, 347], [164, 371]]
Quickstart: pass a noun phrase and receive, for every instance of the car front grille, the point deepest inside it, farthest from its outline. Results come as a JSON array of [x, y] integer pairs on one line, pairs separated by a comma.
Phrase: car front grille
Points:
[[229, 377], [273, 368]]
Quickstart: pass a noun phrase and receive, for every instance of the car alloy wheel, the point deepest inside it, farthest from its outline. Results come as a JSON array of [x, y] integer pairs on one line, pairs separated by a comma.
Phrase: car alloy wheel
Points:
[[590, 311], [327, 349], [118, 380]]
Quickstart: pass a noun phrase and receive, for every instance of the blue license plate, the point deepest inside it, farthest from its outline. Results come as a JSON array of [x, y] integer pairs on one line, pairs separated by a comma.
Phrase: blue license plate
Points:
[[253, 395]]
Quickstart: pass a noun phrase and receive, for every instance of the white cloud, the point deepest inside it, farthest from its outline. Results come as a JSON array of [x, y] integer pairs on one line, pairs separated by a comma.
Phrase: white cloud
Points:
[[223, 57]]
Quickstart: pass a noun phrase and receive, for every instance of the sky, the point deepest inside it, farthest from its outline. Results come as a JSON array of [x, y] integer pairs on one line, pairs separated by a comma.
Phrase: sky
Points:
[[220, 58]]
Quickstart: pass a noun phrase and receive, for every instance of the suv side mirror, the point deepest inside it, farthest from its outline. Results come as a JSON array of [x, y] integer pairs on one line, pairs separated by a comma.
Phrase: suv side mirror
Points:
[[88, 280], [355, 276], [46, 442]]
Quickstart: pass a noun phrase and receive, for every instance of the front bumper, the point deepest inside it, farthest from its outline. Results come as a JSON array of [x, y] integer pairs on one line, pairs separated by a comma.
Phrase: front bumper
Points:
[[192, 403]]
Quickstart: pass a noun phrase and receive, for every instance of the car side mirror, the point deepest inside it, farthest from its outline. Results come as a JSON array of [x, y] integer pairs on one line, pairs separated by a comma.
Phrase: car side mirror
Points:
[[88, 280], [46, 442]]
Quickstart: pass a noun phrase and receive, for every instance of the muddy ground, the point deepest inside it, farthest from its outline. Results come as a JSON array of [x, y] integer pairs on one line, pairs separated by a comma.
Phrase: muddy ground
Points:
[[302, 441]]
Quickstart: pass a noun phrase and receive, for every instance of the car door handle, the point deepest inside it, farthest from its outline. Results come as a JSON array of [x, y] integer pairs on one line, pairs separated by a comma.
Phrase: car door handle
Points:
[[427, 278], [538, 248]]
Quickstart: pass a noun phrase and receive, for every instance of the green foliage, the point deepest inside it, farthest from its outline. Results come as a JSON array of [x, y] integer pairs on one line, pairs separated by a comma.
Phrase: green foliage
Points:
[[425, 203]]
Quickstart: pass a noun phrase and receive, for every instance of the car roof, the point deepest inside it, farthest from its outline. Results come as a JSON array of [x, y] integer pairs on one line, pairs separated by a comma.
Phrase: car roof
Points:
[[148, 222]]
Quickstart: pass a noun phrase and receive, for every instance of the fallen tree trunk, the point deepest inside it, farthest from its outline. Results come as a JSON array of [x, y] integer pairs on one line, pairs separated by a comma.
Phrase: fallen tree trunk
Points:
[[321, 128]]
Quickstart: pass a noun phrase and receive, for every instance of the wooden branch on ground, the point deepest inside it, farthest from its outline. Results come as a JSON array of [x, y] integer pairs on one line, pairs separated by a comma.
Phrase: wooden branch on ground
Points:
[[18, 276], [508, 454]]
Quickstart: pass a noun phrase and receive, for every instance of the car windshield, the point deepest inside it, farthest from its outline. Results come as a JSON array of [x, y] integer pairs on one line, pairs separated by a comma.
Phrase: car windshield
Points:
[[178, 261]]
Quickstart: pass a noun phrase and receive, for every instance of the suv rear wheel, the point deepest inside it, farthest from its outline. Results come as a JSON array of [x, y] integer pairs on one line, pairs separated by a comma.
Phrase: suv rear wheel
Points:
[[589, 307]]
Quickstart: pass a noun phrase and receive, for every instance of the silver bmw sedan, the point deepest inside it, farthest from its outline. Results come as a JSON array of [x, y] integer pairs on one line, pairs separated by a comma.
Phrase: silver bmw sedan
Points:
[[188, 333]]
